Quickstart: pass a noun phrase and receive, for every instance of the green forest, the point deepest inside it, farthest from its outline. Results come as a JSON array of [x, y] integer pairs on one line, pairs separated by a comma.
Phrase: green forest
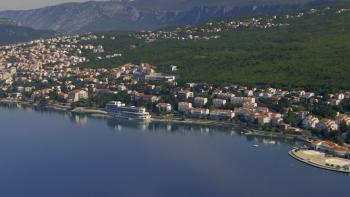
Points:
[[312, 52]]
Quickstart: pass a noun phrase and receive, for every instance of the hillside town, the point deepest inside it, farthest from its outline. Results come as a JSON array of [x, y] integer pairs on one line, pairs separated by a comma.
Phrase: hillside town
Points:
[[212, 29], [49, 73], [172, 98]]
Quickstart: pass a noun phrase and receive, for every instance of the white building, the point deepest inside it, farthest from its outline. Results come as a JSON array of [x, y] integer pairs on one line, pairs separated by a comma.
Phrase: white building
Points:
[[219, 103], [327, 124], [199, 112], [200, 101], [241, 100], [310, 121], [158, 77], [226, 96], [184, 106], [77, 95], [164, 107], [343, 118], [185, 94], [221, 114], [329, 147], [249, 93]]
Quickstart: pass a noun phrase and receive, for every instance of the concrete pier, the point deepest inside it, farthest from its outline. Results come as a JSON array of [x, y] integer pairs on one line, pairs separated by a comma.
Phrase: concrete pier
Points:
[[321, 160]]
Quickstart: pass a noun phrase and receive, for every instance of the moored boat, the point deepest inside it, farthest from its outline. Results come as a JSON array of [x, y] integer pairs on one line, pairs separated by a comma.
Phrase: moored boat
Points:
[[119, 110]]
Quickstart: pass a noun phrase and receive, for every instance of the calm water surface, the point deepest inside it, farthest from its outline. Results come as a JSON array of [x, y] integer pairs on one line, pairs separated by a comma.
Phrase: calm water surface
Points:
[[50, 154]]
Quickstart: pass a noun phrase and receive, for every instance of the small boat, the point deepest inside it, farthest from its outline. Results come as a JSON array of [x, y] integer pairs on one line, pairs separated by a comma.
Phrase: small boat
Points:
[[256, 145]]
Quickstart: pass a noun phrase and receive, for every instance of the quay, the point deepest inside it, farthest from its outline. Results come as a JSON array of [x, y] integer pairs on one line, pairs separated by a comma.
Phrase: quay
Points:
[[85, 110], [321, 160], [259, 133]]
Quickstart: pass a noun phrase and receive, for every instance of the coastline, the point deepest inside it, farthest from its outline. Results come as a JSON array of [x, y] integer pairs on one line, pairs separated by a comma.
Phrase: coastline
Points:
[[96, 112], [102, 113], [292, 153], [196, 121], [238, 126], [258, 133], [92, 111]]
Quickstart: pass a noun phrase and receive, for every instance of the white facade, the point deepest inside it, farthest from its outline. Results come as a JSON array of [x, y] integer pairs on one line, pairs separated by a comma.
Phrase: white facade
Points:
[[241, 100], [200, 101], [199, 112], [327, 124], [184, 106], [222, 114], [77, 95], [164, 107], [310, 122], [219, 103]]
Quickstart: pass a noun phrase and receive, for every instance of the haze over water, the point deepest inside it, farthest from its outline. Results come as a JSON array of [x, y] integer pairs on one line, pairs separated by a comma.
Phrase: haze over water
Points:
[[60, 155]]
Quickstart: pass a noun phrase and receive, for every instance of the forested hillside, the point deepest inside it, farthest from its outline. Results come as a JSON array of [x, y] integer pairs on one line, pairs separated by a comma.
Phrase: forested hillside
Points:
[[308, 49]]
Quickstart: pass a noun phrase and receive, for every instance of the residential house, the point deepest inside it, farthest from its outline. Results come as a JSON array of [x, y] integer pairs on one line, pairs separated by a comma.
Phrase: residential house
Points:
[[310, 122], [244, 111], [164, 107], [334, 102], [226, 96], [173, 68], [241, 100], [35, 95], [249, 93], [184, 107], [327, 124], [250, 104], [343, 118], [200, 101], [199, 112], [146, 98], [347, 95], [77, 95], [329, 147], [16, 95], [302, 114], [261, 119], [219, 103], [339, 96], [308, 95], [221, 114], [276, 118], [185, 94], [158, 77], [262, 110]]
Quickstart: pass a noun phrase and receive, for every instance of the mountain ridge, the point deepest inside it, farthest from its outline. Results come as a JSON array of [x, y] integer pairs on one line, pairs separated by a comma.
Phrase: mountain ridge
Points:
[[138, 15], [11, 33]]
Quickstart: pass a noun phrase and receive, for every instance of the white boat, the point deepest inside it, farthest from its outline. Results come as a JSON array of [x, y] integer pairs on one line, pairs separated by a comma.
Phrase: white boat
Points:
[[116, 109]]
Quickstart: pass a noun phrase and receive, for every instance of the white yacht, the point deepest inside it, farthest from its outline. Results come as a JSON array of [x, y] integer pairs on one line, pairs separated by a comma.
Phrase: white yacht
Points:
[[117, 109]]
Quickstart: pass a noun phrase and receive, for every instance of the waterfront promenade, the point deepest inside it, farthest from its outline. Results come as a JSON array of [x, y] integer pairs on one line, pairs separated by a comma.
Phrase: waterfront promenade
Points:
[[321, 160]]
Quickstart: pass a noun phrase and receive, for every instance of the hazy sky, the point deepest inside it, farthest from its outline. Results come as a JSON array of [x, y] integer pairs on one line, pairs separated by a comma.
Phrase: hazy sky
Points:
[[29, 4]]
